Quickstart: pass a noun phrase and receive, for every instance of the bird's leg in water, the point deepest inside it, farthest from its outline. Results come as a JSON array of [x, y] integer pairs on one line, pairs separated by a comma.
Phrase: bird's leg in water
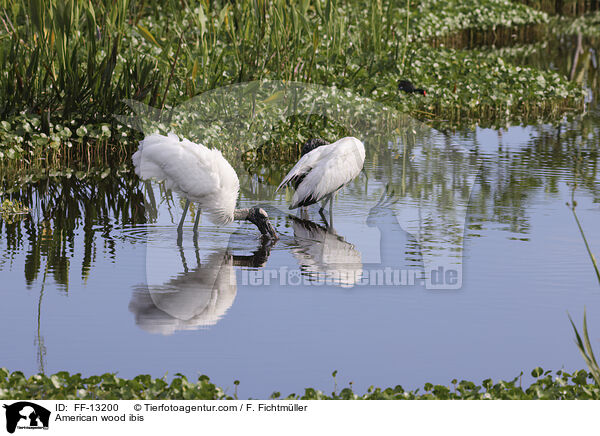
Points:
[[331, 208], [330, 223], [183, 262], [322, 208], [323, 217], [197, 251], [198, 212], [180, 226]]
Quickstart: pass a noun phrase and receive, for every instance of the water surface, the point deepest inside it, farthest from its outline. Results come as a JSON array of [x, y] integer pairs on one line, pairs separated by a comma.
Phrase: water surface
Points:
[[93, 281], [454, 256]]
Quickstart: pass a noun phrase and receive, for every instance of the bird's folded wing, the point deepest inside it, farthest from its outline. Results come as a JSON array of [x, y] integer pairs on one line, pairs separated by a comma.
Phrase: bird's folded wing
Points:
[[331, 173], [305, 165], [200, 174]]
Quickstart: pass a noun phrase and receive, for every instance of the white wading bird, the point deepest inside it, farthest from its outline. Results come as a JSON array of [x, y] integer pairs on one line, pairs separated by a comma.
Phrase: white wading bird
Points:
[[199, 174], [323, 170]]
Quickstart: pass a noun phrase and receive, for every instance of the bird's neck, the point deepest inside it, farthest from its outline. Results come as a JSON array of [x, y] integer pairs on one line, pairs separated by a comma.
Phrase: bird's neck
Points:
[[241, 214]]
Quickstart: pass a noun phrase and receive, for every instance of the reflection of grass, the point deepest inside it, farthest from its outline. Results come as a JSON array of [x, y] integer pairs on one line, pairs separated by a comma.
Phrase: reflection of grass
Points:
[[63, 207], [12, 210], [588, 25]]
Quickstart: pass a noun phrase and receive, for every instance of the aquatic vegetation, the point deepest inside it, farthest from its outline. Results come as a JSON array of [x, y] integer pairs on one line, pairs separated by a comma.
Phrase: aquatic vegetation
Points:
[[442, 17], [471, 88], [61, 204], [585, 348], [68, 66], [25, 144], [12, 210], [61, 60], [586, 25], [573, 205], [164, 54], [548, 386], [569, 8], [64, 386]]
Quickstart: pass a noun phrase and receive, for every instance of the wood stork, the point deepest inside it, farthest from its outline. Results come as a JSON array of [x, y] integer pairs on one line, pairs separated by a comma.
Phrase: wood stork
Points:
[[324, 170], [311, 144], [199, 174]]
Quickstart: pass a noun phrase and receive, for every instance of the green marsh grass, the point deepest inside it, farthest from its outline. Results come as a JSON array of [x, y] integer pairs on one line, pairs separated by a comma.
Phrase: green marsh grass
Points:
[[585, 348], [70, 63]]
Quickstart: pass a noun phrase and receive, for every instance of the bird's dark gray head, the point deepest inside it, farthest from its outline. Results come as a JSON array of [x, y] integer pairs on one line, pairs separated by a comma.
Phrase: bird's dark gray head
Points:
[[311, 144], [260, 219]]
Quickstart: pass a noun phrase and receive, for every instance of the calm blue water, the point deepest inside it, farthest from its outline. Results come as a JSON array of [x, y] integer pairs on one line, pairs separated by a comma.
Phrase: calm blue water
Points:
[[100, 295]]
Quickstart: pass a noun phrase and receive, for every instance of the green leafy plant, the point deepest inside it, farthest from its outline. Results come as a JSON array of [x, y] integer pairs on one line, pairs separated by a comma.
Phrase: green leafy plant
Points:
[[64, 386], [10, 210], [68, 65]]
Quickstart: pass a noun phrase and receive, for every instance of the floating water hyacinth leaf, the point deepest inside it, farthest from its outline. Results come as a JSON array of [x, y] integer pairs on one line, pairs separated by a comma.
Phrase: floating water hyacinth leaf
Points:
[[537, 372]]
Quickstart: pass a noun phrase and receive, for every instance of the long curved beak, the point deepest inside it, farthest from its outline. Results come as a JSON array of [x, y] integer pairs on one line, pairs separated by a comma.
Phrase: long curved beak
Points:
[[267, 229]]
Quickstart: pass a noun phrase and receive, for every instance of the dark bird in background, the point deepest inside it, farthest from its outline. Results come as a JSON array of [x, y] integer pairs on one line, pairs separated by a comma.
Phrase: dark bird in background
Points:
[[407, 86]]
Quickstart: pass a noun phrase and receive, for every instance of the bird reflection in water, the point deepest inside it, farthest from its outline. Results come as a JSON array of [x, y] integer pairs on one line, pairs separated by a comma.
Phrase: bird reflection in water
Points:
[[323, 255], [197, 297]]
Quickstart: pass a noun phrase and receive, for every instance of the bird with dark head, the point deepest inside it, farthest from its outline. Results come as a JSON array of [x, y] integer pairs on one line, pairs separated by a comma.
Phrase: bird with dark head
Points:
[[308, 146], [324, 169], [408, 87], [260, 218], [311, 144], [199, 174]]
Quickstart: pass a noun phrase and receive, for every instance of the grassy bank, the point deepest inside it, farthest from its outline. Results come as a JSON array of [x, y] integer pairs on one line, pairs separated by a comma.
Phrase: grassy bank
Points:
[[68, 66], [547, 385]]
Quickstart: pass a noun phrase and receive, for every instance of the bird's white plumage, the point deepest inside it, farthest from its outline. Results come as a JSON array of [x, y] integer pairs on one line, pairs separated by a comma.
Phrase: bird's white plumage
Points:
[[200, 174], [325, 256], [193, 299], [325, 170]]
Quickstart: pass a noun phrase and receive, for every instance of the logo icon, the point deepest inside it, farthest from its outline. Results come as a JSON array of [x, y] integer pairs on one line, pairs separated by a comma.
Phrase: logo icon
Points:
[[26, 415]]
